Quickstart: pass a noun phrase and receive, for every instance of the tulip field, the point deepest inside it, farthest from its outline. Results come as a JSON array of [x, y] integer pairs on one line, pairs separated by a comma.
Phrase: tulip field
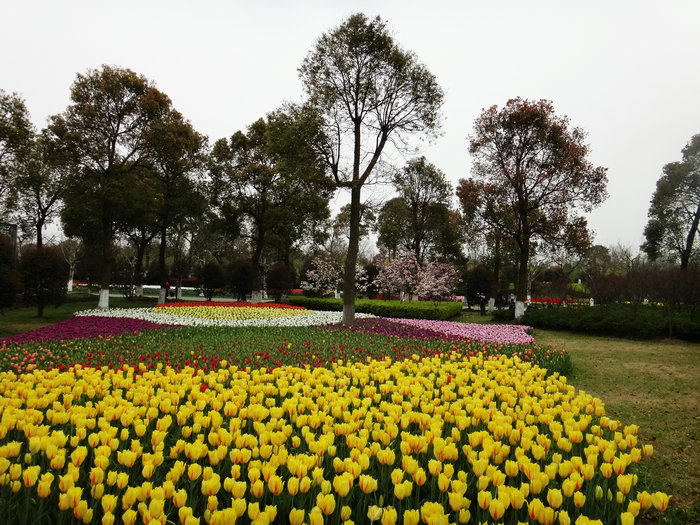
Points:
[[226, 413]]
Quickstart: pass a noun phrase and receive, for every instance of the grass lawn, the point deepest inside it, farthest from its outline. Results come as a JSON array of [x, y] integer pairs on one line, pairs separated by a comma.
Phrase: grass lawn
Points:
[[19, 320], [653, 384]]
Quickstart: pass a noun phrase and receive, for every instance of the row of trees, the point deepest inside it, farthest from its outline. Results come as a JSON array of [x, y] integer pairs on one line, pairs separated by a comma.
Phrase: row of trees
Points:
[[126, 165]]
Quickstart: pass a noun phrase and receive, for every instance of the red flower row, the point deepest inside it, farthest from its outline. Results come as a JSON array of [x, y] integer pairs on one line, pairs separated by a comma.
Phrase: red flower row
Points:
[[234, 304]]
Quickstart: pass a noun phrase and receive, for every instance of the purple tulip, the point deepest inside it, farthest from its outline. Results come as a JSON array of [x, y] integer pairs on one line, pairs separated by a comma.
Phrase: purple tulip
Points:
[[83, 327]]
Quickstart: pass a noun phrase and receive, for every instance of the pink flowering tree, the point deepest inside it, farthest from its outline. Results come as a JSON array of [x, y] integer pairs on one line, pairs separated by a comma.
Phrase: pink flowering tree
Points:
[[326, 278], [397, 275], [437, 282], [432, 281], [323, 278]]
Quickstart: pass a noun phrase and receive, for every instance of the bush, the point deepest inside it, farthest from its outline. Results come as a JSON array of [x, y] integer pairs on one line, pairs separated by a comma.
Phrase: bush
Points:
[[10, 282], [280, 279], [211, 277], [44, 273], [395, 309], [503, 316], [240, 277], [619, 320]]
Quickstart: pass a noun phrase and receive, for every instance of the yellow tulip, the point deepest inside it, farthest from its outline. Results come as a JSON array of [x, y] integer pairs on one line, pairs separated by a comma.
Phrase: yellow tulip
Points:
[[411, 517], [644, 499], [554, 498], [155, 508], [496, 509], [389, 516], [660, 500], [240, 506], [316, 516], [342, 484], [179, 498], [367, 484], [327, 504], [443, 482], [253, 510], [517, 499], [483, 498], [257, 489], [374, 513], [296, 516], [535, 508], [455, 501], [293, 486], [30, 475], [626, 518], [122, 480], [43, 489], [547, 516], [129, 517], [580, 499], [633, 508]]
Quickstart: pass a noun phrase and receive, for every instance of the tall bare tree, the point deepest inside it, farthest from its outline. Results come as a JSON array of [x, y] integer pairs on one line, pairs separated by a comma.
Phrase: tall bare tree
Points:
[[531, 174], [370, 92]]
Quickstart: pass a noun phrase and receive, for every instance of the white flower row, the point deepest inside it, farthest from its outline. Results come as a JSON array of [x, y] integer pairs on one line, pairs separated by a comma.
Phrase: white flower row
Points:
[[314, 318]]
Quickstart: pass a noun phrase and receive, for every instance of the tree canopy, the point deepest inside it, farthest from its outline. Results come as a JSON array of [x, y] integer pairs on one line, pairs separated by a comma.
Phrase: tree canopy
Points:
[[530, 176], [674, 213], [105, 133], [419, 219], [37, 187], [368, 92], [16, 134], [267, 189]]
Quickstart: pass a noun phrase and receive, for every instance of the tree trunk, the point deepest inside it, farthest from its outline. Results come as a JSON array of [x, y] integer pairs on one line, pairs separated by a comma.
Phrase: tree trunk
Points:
[[70, 277], [690, 239], [106, 277], [256, 296], [138, 269], [521, 286], [496, 266], [103, 302], [39, 234], [351, 257], [161, 265]]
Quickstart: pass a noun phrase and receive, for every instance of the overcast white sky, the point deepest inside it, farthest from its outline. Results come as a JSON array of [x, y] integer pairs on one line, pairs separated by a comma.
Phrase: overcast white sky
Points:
[[627, 72]]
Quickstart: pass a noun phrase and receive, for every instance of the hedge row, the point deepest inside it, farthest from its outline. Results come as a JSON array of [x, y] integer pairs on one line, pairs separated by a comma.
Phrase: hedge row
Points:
[[635, 322], [395, 309]]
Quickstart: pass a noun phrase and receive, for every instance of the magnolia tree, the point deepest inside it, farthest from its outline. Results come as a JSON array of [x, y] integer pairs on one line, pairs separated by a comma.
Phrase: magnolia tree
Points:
[[437, 282], [406, 275], [326, 278], [400, 275]]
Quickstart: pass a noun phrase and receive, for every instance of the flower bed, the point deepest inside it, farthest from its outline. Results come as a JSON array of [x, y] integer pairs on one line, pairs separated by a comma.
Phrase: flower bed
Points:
[[402, 422], [467, 439], [229, 304], [84, 327], [508, 334], [215, 316]]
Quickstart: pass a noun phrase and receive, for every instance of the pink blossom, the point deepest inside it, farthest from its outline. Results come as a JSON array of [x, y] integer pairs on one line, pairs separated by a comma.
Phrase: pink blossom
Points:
[[508, 334]]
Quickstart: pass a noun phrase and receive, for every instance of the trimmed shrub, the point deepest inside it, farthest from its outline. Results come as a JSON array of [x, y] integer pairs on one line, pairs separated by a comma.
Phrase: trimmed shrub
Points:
[[395, 309], [618, 320]]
